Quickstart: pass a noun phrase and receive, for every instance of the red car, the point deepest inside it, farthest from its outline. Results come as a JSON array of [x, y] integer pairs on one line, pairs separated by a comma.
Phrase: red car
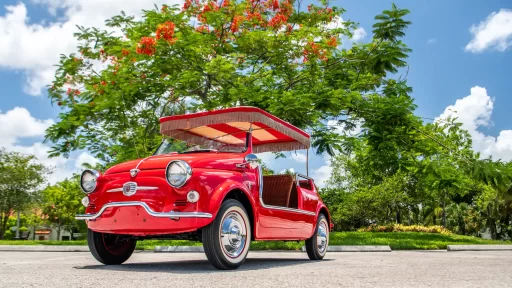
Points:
[[215, 192]]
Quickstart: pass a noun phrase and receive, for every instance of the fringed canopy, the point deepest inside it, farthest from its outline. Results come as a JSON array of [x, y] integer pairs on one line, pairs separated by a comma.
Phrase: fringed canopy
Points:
[[227, 126]]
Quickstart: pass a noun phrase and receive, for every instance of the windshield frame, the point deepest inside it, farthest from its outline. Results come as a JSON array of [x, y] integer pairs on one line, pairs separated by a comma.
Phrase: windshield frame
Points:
[[248, 135]]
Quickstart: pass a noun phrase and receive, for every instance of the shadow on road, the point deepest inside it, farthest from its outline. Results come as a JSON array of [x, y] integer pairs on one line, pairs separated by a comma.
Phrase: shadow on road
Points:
[[197, 266]]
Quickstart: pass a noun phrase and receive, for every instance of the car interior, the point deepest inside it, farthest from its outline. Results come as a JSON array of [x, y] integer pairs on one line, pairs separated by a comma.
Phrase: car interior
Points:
[[281, 190]]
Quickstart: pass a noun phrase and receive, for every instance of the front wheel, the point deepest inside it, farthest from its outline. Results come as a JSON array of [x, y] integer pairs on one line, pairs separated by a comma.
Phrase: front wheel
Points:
[[316, 246], [110, 249], [227, 239]]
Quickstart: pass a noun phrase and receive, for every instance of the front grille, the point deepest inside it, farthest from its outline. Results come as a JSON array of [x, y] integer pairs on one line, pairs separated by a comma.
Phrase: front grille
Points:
[[91, 208], [179, 203]]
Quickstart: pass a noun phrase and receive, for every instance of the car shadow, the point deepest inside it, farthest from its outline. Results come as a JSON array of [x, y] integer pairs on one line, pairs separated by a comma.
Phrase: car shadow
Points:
[[197, 266]]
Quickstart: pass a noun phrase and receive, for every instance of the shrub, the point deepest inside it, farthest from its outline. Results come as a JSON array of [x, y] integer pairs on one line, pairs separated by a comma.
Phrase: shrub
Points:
[[8, 235], [404, 228]]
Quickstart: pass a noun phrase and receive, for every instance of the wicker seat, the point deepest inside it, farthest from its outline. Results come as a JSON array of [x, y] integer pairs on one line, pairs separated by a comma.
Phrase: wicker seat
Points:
[[277, 189]]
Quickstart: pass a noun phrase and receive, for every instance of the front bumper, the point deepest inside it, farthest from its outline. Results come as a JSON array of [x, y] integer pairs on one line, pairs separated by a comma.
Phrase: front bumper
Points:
[[149, 211]]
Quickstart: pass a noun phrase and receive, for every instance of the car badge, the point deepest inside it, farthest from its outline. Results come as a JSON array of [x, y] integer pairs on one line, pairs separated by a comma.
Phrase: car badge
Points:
[[134, 172], [129, 188]]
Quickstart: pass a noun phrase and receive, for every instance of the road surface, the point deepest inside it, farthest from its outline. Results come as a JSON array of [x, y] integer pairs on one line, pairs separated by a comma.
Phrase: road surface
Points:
[[262, 269]]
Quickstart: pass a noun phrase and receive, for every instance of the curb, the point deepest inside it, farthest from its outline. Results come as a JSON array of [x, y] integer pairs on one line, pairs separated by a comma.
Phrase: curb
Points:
[[178, 249], [361, 248], [44, 248], [171, 249], [355, 248], [479, 248]]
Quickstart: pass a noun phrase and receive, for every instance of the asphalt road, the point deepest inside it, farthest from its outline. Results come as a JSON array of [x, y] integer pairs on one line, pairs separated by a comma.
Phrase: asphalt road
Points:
[[262, 269]]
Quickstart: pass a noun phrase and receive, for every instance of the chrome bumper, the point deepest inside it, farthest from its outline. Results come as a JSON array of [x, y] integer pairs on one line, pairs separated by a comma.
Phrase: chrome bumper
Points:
[[148, 210]]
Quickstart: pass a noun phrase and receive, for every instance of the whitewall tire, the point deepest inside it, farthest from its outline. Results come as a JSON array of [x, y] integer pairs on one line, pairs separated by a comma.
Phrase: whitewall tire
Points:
[[227, 239]]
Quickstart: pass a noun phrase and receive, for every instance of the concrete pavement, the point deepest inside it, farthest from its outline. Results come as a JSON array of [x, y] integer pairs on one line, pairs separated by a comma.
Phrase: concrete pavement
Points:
[[262, 269]]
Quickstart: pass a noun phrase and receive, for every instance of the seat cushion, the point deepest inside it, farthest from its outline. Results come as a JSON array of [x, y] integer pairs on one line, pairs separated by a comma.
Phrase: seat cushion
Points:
[[277, 189]]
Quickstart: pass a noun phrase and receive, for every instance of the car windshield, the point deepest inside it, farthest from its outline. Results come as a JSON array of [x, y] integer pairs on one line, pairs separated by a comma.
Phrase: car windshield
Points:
[[224, 143]]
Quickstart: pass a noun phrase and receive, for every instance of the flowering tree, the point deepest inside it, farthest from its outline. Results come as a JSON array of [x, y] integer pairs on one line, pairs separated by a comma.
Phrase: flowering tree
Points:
[[277, 55]]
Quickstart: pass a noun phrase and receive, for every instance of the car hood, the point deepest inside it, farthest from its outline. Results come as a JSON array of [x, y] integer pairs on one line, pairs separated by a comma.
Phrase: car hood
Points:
[[212, 160]]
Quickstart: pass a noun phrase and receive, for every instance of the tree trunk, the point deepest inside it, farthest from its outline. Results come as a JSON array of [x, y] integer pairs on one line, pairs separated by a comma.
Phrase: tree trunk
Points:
[[58, 232], [4, 225], [18, 224], [398, 216], [510, 232], [444, 210]]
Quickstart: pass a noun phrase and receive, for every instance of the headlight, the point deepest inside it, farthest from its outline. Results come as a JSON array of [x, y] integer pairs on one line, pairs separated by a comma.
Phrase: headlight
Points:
[[177, 173], [88, 180]]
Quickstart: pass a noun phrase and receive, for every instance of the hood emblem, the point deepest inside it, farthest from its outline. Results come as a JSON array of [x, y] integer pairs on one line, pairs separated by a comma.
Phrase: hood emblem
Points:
[[134, 172], [129, 188]]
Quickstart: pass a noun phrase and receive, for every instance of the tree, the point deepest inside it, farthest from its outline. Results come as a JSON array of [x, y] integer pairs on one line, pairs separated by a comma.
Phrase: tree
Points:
[[61, 202], [20, 177], [275, 55]]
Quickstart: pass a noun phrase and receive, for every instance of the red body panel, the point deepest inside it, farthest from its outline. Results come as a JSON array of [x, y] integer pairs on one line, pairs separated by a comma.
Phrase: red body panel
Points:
[[214, 176]]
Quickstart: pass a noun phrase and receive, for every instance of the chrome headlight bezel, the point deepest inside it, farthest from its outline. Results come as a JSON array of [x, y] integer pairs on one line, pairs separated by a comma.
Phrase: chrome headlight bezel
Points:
[[187, 171], [95, 174]]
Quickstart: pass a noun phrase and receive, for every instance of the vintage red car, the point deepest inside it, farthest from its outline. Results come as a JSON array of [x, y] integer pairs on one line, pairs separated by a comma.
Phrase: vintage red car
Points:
[[215, 193]]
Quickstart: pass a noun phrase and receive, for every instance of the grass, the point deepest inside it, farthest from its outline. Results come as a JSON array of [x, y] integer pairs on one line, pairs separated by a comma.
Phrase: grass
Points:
[[397, 241]]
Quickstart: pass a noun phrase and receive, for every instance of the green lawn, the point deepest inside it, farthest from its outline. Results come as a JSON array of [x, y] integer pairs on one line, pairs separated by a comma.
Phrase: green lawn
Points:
[[397, 241]]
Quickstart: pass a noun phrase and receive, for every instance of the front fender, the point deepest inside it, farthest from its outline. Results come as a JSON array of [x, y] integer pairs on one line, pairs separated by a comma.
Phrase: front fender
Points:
[[218, 195]]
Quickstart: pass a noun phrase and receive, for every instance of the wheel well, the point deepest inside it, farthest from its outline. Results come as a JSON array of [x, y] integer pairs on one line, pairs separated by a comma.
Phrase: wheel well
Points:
[[242, 198], [323, 210]]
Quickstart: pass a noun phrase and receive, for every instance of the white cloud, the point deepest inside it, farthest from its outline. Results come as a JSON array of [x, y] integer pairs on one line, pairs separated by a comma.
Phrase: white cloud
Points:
[[432, 41], [18, 124], [323, 173], [85, 158], [340, 128], [337, 22], [495, 32], [35, 48], [474, 111], [285, 171], [359, 34], [299, 157]]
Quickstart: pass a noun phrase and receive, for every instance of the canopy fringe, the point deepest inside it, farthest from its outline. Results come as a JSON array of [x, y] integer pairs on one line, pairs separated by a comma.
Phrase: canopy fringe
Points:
[[174, 128]]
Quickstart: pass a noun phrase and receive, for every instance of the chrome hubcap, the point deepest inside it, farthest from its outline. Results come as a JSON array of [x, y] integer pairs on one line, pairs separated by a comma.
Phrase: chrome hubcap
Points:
[[321, 237], [233, 234]]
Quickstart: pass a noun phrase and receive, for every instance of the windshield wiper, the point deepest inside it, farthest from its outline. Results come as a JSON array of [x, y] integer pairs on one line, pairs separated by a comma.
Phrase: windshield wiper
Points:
[[200, 151]]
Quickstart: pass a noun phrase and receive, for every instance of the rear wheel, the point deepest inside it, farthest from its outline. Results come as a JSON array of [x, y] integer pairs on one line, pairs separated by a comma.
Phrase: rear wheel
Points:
[[316, 246], [227, 239], [110, 249]]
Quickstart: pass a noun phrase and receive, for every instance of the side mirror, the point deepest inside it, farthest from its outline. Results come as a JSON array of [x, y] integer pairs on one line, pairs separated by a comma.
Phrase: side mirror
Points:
[[250, 161]]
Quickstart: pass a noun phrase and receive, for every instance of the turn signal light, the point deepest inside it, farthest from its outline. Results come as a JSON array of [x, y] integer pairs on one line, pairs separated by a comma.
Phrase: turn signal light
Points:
[[193, 196]]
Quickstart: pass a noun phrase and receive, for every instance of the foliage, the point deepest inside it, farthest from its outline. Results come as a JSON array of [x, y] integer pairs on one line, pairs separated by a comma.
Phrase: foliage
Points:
[[423, 174], [297, 64], [275, 55], [61, 202], [404, 228], [20, 178]]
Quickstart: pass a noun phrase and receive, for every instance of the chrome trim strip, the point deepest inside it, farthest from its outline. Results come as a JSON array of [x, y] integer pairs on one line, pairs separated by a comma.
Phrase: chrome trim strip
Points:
[[141, 188], [304, 176], [260, 180], [140, 162], [171, 214]]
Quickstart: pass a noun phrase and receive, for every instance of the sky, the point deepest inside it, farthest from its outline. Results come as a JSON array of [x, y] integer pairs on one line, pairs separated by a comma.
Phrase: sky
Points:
[[460, 66]]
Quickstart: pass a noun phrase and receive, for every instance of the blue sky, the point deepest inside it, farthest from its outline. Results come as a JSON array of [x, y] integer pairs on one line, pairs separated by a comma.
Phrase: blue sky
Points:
[[460, 61]]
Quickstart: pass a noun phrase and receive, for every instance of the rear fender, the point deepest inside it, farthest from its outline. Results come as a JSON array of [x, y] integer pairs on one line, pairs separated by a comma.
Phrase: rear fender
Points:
[[321, 208]]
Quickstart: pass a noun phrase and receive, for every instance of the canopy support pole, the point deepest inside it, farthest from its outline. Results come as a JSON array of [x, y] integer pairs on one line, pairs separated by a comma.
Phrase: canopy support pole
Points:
[[307, 162]]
